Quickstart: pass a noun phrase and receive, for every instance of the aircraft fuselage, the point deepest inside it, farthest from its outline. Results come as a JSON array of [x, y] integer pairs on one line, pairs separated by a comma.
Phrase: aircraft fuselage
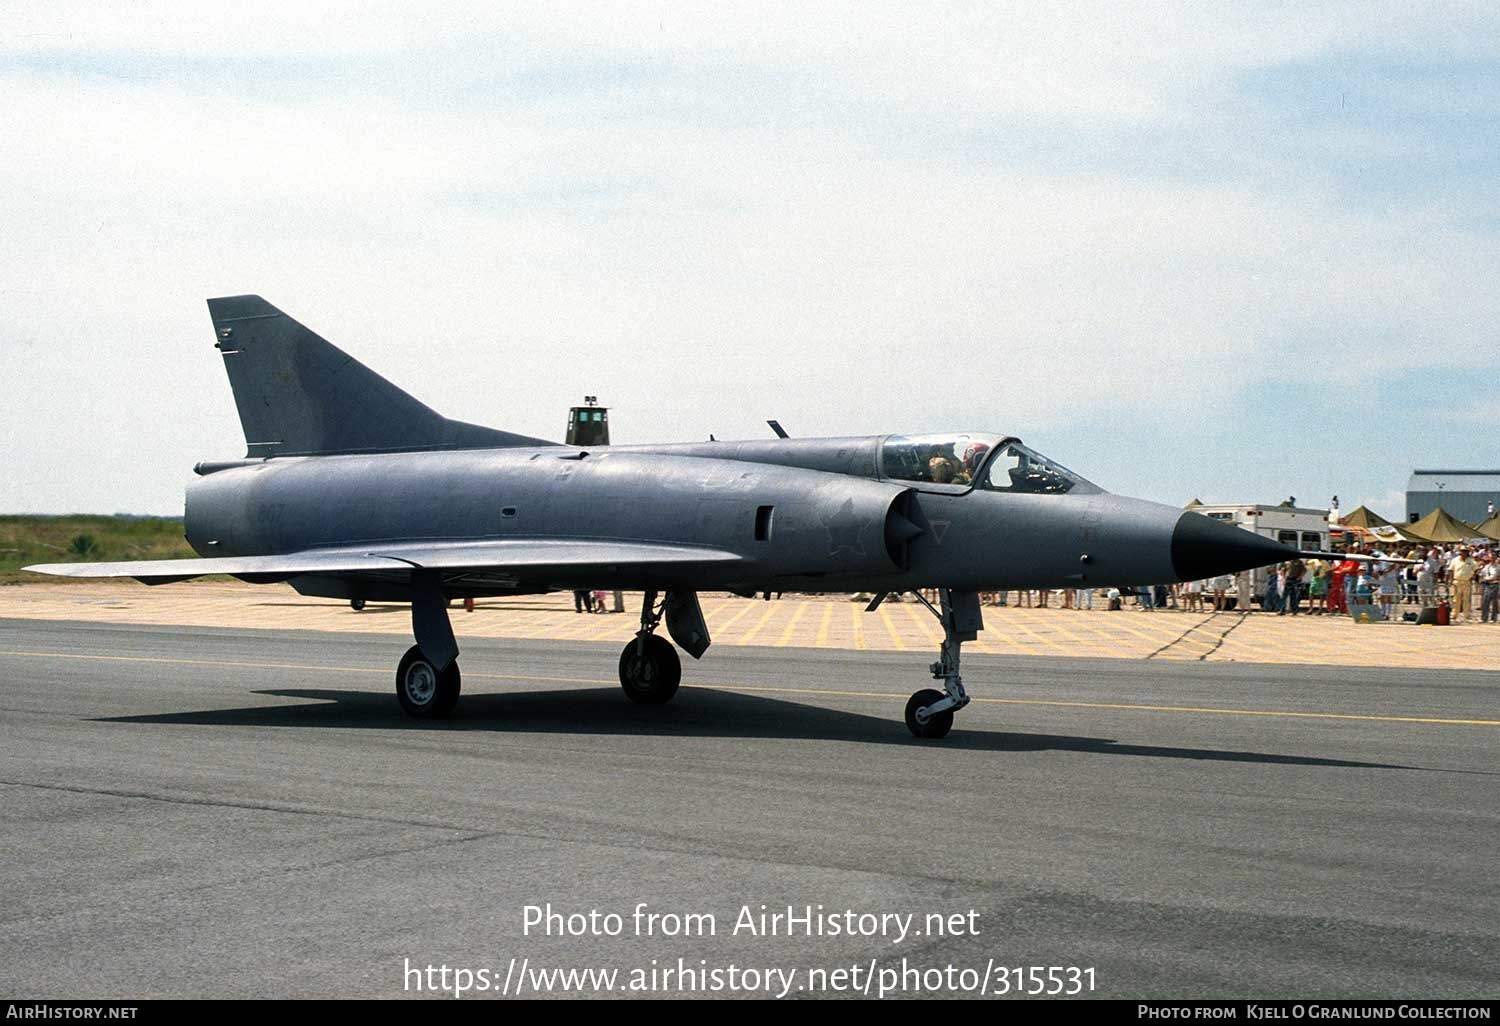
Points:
[[803, 515]]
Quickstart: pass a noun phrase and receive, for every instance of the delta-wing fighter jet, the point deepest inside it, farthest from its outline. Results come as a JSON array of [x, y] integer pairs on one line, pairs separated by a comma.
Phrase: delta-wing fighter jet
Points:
[[353, 489]]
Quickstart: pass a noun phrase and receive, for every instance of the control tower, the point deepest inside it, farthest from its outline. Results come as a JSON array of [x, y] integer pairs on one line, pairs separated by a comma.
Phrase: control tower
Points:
[[588, 424]]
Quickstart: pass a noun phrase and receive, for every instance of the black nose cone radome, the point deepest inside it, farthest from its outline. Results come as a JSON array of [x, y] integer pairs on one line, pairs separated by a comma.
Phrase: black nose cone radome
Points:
[[1206, 548]]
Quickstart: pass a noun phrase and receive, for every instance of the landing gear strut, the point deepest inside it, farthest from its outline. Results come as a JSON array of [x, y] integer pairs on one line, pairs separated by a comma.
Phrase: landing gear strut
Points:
[[650, 669], [929, 713]]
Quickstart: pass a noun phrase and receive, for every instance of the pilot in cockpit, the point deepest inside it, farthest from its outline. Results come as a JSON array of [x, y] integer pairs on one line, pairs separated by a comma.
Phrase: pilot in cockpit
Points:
[[974, 454]]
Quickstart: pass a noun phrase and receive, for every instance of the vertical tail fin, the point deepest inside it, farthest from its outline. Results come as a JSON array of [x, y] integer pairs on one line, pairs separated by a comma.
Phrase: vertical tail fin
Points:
[[298, 394]]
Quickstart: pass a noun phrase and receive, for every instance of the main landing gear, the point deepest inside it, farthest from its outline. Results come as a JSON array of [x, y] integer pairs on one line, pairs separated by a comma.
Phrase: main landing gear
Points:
[[650, 669], [428, 682], [929, 712], [427, 678]]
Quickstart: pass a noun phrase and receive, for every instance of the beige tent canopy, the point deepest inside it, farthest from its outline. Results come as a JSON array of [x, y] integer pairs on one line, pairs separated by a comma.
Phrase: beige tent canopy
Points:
[[1441, 526], [1491, 527], [1362, 517]]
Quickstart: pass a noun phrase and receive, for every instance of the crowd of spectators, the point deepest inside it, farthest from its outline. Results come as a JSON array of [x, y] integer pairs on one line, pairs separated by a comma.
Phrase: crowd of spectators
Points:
[[1464, 577]]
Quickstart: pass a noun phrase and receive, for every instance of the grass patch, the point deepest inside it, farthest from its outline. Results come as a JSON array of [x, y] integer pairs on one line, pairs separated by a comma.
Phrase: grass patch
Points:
[[85, 539]]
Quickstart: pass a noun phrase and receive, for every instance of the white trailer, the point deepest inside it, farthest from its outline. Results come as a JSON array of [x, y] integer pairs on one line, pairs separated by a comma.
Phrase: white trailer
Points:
[[1290, 525]]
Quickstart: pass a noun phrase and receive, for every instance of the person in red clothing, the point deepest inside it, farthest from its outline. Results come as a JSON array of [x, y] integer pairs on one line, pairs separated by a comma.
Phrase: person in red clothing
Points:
[[1338, 602]]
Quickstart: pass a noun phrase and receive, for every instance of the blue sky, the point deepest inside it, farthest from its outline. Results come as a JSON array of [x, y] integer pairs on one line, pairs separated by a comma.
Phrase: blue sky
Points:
[[1226, 251]]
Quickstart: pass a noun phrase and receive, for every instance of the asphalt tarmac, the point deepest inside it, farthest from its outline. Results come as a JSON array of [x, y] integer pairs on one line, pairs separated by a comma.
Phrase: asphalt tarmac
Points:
[[211, 813]]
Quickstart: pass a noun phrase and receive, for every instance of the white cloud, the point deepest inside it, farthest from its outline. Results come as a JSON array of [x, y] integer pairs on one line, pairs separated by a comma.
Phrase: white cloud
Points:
[[488, 196], [110, 138], [1479, 414], [181, 28]]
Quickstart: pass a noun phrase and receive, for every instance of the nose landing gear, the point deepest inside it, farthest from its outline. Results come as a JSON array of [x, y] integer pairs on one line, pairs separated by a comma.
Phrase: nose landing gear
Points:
[[929, 713]]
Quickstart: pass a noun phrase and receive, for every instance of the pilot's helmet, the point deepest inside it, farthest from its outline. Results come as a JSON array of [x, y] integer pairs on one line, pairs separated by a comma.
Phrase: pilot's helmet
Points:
[[974, 454]]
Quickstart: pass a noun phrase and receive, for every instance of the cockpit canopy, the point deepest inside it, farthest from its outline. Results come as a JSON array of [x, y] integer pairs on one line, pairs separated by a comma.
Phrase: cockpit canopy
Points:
[[987, 462], [936, 459], [1016, 468]]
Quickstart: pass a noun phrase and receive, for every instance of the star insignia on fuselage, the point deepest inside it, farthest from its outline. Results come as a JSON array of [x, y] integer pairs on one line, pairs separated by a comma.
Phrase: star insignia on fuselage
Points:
[[844, 530]]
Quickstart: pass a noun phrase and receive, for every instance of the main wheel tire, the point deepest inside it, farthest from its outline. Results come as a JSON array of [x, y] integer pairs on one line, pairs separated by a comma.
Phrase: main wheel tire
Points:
[[357, 604], [937, 725], [650, 677], [424, 693]]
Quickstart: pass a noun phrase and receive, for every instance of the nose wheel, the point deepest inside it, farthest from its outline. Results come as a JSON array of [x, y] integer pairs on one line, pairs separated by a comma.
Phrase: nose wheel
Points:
[[924, 724]]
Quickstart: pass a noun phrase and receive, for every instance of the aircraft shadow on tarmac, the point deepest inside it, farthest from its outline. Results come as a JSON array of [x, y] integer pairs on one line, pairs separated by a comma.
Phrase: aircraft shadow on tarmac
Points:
[[702, 712]]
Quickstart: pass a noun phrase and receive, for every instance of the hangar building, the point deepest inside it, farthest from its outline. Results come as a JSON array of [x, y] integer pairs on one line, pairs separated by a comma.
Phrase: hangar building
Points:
[[1469, 495]]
